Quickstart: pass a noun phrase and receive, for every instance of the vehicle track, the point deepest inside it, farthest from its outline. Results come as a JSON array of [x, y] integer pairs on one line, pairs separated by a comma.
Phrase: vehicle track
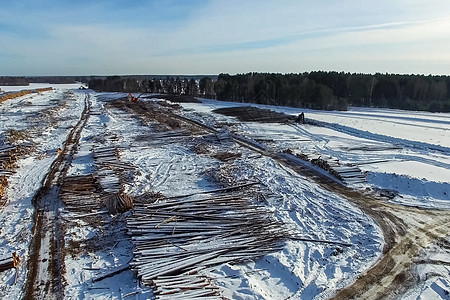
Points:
[[46, 261]]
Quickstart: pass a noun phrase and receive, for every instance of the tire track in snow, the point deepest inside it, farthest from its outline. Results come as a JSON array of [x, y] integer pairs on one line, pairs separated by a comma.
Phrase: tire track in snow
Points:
[[396, 266], [45, 261], [380, 137]]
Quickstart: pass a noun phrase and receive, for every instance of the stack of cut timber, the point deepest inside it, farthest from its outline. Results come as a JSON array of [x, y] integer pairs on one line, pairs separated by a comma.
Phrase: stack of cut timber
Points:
[[350, 174], [172, 135], [104, 159], [181, 235], [109, 180], [3, 184], [79, 193], [96, 111], [185, 286], [109, 173], [43, 90]]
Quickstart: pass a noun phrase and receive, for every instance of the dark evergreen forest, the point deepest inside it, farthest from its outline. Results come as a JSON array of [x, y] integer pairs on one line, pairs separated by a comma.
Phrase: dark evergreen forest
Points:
[[316, 90]]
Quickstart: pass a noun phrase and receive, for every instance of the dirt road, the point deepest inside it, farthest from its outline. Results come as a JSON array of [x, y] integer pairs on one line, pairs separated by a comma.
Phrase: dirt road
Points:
[[45, 262]]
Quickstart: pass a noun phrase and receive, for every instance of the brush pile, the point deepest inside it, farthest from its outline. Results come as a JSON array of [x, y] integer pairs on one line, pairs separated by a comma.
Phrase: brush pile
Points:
[[13, 136], [14, 95]]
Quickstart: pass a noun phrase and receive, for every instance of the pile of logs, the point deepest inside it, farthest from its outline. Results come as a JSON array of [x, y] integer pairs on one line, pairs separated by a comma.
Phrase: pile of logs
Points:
[[109, 171], [171, 136], [176, 237], [323, 164], [7, 157], [105, 159], [78, 193], [3, 184], [348, 174], [190, 286]]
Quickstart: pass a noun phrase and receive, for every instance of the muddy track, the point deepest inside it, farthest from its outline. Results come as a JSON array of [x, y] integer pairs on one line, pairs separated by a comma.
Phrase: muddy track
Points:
[[46, 260], [406, 230]]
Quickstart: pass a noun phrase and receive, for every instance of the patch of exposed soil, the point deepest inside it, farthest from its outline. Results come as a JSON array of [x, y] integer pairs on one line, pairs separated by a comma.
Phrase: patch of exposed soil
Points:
[[153, 113]]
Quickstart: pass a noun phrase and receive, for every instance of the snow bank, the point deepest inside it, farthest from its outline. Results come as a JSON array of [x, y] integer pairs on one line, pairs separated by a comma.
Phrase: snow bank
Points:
[[413, 191]]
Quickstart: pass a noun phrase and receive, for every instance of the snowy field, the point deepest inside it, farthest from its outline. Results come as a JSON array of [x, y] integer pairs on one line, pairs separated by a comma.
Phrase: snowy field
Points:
[[407, 152], [32, 86], [404, 154]]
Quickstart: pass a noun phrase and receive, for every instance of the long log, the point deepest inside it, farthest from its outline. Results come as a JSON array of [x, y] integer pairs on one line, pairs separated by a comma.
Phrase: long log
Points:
[[112, 273], [320, 241], [227, 189], [10, 262]]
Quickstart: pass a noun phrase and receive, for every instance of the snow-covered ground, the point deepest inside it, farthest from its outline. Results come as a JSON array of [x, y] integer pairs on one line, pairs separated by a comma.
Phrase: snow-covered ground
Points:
[[47, 122], [32, 86], [408, 152]]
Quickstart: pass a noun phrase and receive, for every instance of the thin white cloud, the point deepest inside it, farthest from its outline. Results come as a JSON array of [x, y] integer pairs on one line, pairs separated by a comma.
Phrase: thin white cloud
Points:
[[242, 36]]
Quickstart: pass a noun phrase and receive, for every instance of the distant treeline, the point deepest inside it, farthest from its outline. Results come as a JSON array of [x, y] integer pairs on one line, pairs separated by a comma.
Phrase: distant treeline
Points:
[[167, 85], [334, 90], [53, 79], [317, 90], [13, 81]]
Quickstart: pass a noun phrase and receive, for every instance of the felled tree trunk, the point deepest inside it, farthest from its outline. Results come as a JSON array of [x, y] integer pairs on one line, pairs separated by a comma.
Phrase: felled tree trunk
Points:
[[10, 262]]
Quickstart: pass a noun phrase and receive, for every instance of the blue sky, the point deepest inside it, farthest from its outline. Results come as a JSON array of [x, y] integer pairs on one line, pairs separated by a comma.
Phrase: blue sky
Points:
[[209, 37]]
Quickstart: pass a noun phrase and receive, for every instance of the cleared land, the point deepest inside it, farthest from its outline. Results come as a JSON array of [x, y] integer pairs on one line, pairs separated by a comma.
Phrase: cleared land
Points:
[[196, 203]]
